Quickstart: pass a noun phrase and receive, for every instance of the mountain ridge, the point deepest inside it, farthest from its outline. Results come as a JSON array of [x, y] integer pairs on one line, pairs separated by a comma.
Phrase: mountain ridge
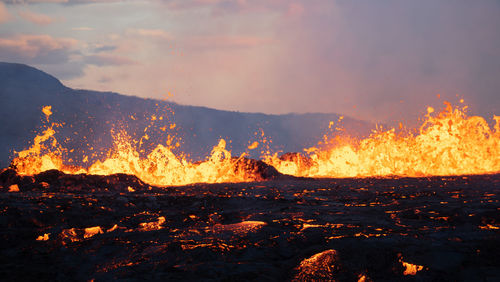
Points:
[[91, 116]]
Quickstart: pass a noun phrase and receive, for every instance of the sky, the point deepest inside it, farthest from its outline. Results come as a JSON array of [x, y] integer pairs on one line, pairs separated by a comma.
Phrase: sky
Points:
[[381, 61]]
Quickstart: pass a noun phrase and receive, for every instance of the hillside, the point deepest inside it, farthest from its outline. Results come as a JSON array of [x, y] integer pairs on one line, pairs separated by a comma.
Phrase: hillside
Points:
[[89, 118]]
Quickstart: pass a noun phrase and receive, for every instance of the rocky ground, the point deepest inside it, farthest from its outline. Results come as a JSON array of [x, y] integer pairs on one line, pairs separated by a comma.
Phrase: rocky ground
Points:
[[79, 227]]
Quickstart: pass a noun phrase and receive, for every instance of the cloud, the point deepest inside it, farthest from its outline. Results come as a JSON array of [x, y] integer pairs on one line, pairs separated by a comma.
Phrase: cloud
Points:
[[39, 19], [35, 49], [389, 60], [108, 60], [57, 56], [290, 8], [156, 34], [225, 41], [34, 1], [280, 56], [4, 13], [223, 7], [82, 28], [105, 79], [104, 48], [23, 2], [295, 10]]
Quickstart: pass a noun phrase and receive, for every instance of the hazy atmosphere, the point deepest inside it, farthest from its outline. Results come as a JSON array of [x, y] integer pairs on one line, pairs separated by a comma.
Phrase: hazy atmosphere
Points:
[[250, 140], [373, 60]]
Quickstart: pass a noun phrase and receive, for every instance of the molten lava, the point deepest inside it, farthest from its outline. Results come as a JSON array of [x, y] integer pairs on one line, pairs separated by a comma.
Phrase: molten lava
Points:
[[160, 167], [411, 269], [449, 143]]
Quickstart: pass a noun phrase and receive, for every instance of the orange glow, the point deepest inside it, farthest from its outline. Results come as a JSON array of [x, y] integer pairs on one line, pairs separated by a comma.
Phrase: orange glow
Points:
[[318, 267], [240, 228], [47, 111], [113, 228], [160, 167], [254, 145], [43, 237], [411, 269], [13, 188], [447, 143], [150, 226], [92, 231], [489, 227]]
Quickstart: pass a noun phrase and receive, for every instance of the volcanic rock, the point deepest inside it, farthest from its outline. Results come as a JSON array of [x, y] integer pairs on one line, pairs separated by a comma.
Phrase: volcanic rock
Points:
[[57, 181], [85, 227], [257, 169]]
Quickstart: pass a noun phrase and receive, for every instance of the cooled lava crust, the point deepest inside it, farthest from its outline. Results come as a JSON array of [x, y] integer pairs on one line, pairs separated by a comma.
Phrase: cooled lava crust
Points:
[[62, 227]]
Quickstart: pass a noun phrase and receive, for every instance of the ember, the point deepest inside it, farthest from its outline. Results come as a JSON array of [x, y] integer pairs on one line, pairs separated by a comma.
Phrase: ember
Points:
[[411, 269], [43, 237]]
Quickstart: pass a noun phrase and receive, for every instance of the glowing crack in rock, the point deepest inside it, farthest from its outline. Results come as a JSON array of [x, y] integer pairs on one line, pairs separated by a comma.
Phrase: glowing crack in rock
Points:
[[92, 231], [14, 188], [241, 228], [319, 267], [411, 269], [154, 225]]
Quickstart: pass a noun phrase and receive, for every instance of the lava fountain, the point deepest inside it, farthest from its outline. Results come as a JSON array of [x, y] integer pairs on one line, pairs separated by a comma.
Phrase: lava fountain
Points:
[[447, 143]]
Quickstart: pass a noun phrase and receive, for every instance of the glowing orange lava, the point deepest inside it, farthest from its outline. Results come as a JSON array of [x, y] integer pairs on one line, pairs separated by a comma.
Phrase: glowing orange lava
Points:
[[161, 167], [411, 269], [449, 143]]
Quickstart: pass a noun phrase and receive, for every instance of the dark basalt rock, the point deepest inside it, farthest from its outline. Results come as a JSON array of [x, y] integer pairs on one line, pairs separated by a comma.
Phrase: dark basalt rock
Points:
[[90, 228], [10, 177], [259, 170], [57, 181]]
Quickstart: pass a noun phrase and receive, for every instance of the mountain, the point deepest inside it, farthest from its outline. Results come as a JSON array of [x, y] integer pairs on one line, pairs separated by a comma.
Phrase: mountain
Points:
[[90, 117]]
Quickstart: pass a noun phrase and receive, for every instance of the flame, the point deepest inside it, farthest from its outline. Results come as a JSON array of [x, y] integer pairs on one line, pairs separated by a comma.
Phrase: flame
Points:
[[450, 143], [447, 143]]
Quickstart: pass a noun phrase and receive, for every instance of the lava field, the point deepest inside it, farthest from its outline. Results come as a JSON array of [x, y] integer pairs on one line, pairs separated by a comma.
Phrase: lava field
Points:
[[59, 227]]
